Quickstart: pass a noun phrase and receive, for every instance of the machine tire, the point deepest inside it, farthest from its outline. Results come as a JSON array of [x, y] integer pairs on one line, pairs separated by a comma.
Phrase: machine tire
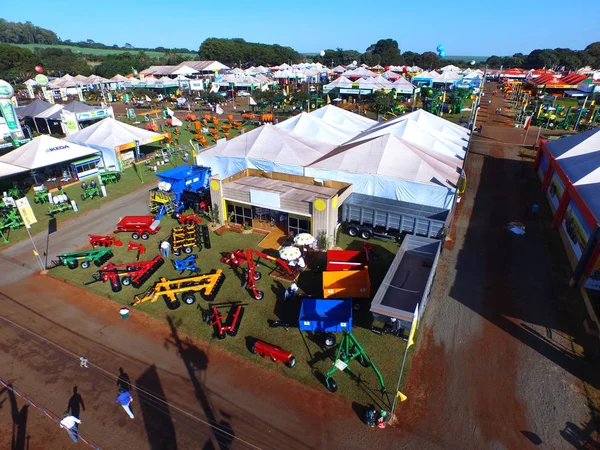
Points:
[[116, 285], [145, 236], [259, 295], [176, 252], [253, 348], [329, 340], [83, 197], [118, 177], [188, 298], [173, 305], [363, 362], [291, 363], [135, 235], [331, 385], [126, 281], [85, 264], [221, 336], [257, 276], [188, 250], [365, 233], [73, 265], [352, 231]]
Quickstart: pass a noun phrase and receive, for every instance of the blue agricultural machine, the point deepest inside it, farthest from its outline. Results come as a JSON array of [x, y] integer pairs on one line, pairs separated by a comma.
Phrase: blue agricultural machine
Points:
[[179, 189]]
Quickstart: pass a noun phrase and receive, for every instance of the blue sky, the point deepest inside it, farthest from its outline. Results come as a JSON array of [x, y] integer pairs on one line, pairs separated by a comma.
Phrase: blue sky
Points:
[[471, 28]]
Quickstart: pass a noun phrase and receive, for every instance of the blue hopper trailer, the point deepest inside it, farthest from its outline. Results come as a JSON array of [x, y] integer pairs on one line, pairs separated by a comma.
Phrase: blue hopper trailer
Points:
[[325, 316], [181, 188]]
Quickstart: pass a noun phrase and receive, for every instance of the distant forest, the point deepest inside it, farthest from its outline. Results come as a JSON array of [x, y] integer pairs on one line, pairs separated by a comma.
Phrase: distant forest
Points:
[[17, 64]]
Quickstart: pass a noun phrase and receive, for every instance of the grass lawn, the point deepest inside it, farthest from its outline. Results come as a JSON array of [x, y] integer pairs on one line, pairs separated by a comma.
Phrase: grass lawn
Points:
[[99, 51], [313, 359], [130, 181]]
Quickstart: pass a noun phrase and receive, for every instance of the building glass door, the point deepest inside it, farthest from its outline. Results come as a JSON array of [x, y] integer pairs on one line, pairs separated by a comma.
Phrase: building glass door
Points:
[[297, 225]]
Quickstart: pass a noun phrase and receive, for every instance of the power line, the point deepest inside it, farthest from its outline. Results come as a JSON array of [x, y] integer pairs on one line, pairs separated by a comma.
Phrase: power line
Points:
[[216, 427], [47, 413]]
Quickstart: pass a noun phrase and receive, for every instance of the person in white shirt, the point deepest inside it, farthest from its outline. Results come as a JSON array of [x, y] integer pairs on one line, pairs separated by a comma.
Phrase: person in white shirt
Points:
[[70, 424]]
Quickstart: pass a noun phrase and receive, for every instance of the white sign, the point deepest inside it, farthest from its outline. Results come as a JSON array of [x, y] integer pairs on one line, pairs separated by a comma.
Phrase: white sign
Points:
[[341, 365], [266, 199]]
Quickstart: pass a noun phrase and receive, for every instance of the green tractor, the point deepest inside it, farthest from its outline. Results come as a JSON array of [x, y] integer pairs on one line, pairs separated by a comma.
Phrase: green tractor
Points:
[[90, 191], [83, 259]]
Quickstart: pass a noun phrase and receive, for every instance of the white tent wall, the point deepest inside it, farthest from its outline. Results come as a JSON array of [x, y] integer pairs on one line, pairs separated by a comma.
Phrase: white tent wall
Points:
[[391, 188]]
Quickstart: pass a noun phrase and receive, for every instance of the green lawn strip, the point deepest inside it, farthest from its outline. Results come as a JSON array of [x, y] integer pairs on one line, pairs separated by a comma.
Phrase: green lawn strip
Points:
[[130, 182], [100, 51], [313, 360]]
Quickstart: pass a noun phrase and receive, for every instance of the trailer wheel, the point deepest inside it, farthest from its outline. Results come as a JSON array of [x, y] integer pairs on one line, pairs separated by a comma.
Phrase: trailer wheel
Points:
[[331, 385], [365, 233], [188, 298], [221, 336], [83, 197], [187, 250], [172, 305], [176, 252], [329, 340], [72, 265], [135, 235], [85, 264], [253, 348], [259, 295], [145, 236], [257, 276], [352, 231], [363, 362], [291, 362], [126, 281]]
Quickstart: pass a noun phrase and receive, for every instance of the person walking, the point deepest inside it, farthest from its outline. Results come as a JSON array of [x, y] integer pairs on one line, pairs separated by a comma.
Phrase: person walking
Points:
[[165, 249], [70, 424], [125, 399]]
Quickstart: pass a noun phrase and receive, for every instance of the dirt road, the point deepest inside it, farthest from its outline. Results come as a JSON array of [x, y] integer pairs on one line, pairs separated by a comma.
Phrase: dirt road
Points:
[[494, 367]]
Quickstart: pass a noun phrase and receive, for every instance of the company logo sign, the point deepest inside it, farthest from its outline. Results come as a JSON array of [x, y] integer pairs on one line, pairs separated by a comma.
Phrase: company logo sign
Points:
[[54, 149]]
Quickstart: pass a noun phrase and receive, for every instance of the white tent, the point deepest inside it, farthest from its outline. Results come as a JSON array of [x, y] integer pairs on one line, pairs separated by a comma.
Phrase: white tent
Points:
[[447, 77], [390, 75], [393, 168], [341, 82], [343, 119], [9, 169], [45, 151], [307, 125], [267, 148], [119, 78], [359, 72], [403, 86], [450, 68], [111, 137]]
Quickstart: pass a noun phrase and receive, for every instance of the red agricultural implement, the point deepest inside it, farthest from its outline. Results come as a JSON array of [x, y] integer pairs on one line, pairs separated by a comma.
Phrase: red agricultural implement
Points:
[[134, 274], [224, 324], [138, 226], [239, 257], [188, 219], [277, 354], [141, 249], [104, 241]]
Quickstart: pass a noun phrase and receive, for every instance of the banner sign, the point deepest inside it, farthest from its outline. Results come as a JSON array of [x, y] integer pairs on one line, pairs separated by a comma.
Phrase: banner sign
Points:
[[26, 212], [576, 229], [6, 90], [41, 79], [355, 91], [9, 115], [593, 281], [90, 115], [70, 121]]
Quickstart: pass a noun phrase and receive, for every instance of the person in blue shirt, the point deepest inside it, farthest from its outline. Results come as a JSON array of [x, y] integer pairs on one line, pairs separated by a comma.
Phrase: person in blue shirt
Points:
[[125, 399]]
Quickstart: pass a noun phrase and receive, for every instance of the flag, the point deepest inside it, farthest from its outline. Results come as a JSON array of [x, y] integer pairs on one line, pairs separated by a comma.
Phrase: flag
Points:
[[219, 110], [328, 99], [402, 396], [527, 122], [176, 122], [148, 99], [251, 101], [134, 72], [413, 327], [170, 112]]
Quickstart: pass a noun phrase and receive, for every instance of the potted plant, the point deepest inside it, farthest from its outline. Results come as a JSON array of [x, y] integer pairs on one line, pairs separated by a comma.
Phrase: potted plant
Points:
[[247, 229]]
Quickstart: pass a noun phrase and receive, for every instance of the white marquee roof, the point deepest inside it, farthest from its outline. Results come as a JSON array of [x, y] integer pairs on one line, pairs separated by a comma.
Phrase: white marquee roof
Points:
[[343, 119], [307, 125], [110, 133]]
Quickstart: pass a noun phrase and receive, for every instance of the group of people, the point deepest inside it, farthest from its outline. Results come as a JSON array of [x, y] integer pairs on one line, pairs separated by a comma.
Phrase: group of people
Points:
[[71, 420]]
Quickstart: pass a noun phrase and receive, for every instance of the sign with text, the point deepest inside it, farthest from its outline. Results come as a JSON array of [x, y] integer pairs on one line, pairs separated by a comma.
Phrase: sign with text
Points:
[[26, 212]]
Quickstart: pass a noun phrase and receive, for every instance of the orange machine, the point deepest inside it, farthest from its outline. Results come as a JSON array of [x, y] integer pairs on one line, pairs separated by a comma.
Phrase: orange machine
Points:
[[346, 283]]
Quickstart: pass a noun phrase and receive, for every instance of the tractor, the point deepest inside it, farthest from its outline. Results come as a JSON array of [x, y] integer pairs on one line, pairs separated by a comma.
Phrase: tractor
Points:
[[90, 191]]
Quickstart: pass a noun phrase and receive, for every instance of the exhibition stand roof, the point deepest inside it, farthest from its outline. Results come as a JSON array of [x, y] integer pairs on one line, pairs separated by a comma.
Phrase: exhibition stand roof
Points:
[[45, 151], [33, 109], [343, 119], [112, 134], [307, 125], [9, 169]]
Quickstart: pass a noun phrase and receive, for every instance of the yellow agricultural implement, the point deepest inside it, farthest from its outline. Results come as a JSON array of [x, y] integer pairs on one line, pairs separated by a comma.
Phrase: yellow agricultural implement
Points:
[[207, 285]]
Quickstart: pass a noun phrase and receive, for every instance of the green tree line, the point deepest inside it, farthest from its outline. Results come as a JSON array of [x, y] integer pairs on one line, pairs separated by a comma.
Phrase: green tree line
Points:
[[26, 33], [550, 58], [238, 51]]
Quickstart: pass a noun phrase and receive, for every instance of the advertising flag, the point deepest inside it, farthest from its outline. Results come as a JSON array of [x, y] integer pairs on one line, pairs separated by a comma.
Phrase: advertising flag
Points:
[[219, 110], [527, 122], [413, 327]]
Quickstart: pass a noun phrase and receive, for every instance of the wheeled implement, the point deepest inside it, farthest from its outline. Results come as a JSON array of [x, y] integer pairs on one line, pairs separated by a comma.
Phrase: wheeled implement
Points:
[[134, 274], [224, 325], [104, 241], [207, 285], [277, 354], [138, 226], [83, 259], [239, 257]]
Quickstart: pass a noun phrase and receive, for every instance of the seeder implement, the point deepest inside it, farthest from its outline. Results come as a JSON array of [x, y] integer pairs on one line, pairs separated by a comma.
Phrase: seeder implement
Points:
[[83, 259], [207, 285], [134, 274]]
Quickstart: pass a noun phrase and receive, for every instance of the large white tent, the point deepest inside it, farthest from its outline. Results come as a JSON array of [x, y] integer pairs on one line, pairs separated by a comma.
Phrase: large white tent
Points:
[[111, 137], [267, 148], [45, 151], [343, 119], [310, 126], [403, 86], [10, 169]]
